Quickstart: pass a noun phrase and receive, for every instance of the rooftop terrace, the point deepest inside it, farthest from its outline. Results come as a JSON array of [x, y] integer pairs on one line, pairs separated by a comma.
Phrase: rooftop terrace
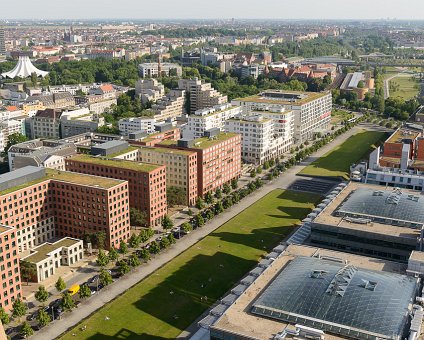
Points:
[[283, 97], [402, 134], [206, 142], [116, 163]]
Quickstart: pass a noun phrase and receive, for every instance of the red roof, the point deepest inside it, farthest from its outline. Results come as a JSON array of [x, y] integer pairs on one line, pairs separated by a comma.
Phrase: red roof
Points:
[[12, 108], [107, 88]]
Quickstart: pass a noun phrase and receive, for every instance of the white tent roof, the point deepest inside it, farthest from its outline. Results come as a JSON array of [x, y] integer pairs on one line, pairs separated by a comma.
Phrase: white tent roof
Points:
[[23, 69]]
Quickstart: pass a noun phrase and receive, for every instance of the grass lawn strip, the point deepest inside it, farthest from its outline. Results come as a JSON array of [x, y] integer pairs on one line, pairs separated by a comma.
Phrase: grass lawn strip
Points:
[[337, 161], [168, 301]]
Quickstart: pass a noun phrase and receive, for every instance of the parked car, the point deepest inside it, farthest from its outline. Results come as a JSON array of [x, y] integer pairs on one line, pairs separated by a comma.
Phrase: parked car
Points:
[[74, 289], [93, 279]]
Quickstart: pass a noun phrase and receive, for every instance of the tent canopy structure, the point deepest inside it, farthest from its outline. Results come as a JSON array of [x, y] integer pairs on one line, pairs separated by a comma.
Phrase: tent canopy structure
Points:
[[23, 69]]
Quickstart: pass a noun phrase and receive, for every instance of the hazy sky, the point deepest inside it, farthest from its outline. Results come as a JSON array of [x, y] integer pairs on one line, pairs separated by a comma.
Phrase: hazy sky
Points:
[[199, 9]]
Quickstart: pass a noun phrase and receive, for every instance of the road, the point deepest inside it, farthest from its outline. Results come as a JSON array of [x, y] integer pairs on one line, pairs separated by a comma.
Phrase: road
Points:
[[88, 307]]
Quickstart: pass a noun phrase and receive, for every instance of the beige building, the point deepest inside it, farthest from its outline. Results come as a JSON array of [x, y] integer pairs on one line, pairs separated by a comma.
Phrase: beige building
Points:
[[48, 257], [46, 124], [102, 106], [149, 90], [202, 95], [170, 106]]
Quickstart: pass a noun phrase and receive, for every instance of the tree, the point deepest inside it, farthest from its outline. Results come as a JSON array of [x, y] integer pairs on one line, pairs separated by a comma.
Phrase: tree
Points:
[[123, 247], [253, 173], [84, 292], [105, 278], [234, 183], [19, 308], [209, 198], [226, 189], [144, 254], [134, 241], [167, 222], [200, 222], [175, 196], [41, 295], [113, 254], [123, 267], [4, 317], [146, 234], [200, 204], [28, 271], [137, 217], [164, 243], [100, 237], [34, 79], [43, 318], [13, 139], [171, 239], [218, 208], [209, 214], [186, 227], [154, 248], [190, 212], [67, 302], [218, 193], [26, 330], [102, 259], [134, 261], [60, 284]]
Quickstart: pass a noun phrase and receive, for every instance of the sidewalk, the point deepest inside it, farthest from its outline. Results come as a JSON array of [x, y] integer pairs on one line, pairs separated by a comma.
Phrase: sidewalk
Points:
[[88, 307]]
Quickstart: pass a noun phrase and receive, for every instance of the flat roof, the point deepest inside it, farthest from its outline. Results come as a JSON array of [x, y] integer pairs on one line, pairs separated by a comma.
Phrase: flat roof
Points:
[[239, 320], [82, 179], [122, 152], [41, 252], [284, 97], [206, 142], [168, 150], [328, 216], [116, 163], [399, 135]]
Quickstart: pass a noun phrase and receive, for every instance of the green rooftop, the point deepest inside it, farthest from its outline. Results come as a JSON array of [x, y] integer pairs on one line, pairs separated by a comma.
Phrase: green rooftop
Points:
[[41, 253], [116, 163], [206, 142], [168, 142], [82, 179], [122, 152], [167, 150], [259, 99]]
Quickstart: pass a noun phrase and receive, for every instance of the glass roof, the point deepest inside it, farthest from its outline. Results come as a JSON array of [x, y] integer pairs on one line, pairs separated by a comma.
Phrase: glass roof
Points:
[[390, 204], [338, 298]]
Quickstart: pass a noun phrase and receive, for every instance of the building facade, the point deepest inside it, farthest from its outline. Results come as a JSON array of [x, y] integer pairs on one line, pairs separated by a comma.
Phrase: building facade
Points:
[[138, 124], [147, 70]]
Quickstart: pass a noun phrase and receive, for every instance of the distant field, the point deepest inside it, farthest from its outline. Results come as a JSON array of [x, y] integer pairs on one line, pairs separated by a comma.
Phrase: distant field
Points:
[[168, 301], [405, 87], [336, 162]]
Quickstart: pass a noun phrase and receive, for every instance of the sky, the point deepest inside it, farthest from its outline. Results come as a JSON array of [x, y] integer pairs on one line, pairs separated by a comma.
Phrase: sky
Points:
[[215, 9]]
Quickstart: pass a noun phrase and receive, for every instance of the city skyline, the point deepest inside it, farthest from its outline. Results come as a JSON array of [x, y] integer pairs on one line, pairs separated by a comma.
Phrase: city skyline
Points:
[[189, 9]]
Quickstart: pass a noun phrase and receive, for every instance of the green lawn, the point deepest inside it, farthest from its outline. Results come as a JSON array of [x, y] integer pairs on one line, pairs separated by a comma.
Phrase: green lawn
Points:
[[405, 87], [339, 115], [336, 162], [167, 302]]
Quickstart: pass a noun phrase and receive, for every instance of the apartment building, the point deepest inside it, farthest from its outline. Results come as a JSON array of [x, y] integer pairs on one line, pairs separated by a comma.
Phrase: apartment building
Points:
[[46, 124], [146, 182], [218, 158], [209, 118], [43, 203], [59, 100], [149, 90], [181, 167], [311, 110], [170, 106], [202, 95], [9, 268], [138, 124], [148, 70], [170, 134]]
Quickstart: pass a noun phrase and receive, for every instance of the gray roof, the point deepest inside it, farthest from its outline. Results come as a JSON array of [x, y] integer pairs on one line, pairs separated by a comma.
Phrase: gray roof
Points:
[[20, 176], [338, 298], [387, 204]]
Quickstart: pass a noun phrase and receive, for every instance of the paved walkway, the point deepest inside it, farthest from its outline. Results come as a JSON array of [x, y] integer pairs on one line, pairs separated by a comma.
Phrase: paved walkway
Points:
[[109, 293]]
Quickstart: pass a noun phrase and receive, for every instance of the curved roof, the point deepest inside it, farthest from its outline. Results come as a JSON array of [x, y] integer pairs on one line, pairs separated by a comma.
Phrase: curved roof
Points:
[[339, 298], [23, 69]]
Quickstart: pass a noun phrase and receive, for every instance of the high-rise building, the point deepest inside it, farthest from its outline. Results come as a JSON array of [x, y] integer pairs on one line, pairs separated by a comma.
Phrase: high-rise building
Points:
[[2, 42]]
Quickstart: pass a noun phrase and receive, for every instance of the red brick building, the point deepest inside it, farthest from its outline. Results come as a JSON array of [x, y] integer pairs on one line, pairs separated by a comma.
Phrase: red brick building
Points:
[[146, 182], [9, 267]]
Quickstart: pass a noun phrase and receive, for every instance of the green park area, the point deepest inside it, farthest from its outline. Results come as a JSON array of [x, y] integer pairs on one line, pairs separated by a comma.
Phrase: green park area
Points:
[[337, 116], [336, 162], [405, 87], [169, 300]]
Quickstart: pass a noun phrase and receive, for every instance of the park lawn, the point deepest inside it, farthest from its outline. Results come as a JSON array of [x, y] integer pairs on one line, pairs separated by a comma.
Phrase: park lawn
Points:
[[339, 115], [408, 88], [336, 162], [168, 301]]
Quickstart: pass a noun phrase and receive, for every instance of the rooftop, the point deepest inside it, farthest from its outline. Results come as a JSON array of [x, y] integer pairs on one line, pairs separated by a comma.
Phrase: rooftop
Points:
[[206, 142], [116, 163], [168, 150], [82, 179], [42, 252], [399, 135], [122, 152], [377, 310], [284, 97]]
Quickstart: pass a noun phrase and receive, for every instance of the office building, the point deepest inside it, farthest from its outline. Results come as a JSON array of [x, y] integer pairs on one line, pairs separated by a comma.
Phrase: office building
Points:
[[146, 182], [311, 110], [138, 124], [59, 100], [209, 118], [169, 107], [358, 82], [46, 124], [148, 70], [149, 90], [202, 95], [2, 42], [371, 220], [313, 293]]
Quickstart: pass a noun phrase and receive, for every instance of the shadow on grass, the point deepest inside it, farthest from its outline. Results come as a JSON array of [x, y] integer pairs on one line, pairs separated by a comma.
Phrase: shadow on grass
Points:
[[180, 298]]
